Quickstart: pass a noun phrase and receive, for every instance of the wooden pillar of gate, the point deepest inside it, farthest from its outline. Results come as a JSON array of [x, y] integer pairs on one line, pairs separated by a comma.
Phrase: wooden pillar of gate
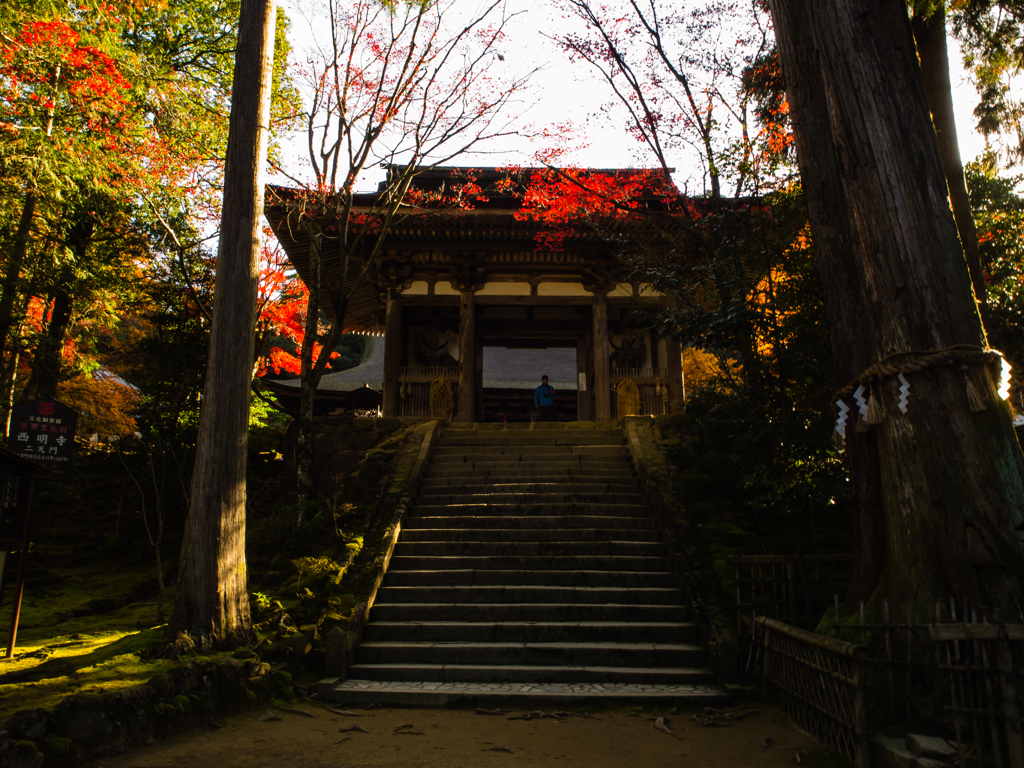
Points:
[[392, 352], [602, 366], [467, 357], [584, 395], [674, 363]]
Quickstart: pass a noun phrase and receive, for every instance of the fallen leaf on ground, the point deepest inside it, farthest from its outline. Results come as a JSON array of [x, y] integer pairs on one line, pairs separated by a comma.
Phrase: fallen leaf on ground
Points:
[[711, 717], [296, 711], [344, 712], [215, 726], [356, 727], [659, 724], [340, 740], [492, 711], [268, 717], [497, 749]]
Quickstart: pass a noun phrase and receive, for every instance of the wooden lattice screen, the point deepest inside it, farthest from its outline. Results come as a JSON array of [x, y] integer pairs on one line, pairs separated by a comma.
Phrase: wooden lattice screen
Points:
[[984, 675], [794, 588], [414, 389]]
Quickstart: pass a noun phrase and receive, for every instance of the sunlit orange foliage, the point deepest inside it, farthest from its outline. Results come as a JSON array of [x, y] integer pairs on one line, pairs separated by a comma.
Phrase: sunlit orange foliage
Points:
[[701, 370], [104, 403], [769, 336]]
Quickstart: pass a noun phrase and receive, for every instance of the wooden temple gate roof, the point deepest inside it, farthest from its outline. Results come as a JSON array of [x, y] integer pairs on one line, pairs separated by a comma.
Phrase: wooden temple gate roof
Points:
[[487, 241]]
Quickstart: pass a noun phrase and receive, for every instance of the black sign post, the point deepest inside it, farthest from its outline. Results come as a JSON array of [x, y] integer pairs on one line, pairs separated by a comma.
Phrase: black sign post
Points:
[[17, 491]]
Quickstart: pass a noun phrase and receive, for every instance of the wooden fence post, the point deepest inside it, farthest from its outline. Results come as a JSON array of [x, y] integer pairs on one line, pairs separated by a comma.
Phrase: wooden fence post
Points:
[[860, 709], [1011, 712]]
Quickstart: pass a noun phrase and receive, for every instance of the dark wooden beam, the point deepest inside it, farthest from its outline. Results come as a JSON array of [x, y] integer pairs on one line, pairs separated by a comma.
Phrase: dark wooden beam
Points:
[[392, 352], [674, 363], [602, 367], [467, 357], [419, 300]]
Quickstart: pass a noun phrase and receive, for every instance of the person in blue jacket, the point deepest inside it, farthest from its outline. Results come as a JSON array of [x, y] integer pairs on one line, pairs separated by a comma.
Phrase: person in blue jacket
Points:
[[544, 400]]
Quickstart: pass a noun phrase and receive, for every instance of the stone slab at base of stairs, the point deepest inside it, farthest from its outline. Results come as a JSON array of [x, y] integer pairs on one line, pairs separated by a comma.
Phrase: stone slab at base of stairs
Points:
[[524, 695]]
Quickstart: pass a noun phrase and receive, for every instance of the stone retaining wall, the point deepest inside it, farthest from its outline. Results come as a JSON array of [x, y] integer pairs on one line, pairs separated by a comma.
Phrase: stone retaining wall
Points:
[[342, 441], [648, 442], [87, 726]]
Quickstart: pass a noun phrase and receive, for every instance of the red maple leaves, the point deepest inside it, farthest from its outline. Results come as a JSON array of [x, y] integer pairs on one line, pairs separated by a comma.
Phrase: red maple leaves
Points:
[[568, 201]]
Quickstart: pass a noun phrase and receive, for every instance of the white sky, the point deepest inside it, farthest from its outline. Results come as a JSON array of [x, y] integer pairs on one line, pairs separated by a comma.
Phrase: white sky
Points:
[[565, 92]]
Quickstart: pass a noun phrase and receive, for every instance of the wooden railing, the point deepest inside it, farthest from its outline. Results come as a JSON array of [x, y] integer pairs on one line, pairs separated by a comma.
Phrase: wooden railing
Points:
[[819, 681], [959, 676], [652, 384], [420, 374], [641, 375]]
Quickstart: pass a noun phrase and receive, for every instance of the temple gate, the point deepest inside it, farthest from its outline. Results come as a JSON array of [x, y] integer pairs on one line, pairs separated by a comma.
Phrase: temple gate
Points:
[[446, 285]]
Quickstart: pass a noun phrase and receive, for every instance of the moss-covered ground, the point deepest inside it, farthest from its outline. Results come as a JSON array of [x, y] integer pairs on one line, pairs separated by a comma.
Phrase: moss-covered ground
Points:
[[89, 620]]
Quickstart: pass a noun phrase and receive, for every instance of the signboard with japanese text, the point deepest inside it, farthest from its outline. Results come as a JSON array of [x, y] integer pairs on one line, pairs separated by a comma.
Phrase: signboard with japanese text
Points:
[[14, 483], [43, 431]]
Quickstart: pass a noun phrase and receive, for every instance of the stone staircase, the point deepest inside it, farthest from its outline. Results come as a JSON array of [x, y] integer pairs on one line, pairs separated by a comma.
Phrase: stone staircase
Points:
[[529, 571]]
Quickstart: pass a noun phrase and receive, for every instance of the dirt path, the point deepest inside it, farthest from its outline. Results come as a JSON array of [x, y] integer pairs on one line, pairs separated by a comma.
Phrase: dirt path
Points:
[[414, 738]]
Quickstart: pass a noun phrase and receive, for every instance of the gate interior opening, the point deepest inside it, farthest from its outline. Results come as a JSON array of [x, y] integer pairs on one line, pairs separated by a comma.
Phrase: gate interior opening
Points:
[[512, 373]]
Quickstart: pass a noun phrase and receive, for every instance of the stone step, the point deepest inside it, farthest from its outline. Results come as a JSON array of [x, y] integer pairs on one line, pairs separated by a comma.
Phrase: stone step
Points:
[[625, 579], [500, 612], [533, 632], [530, 674], [442, 454], [456, 429], [544, 473], [564, 497], [546, 697], [529, 570], [519, 510], [529, 534], [528, 594], [528, 548], [530, 562], [534, 439], [678, 655], [533, 522], [449, 486]]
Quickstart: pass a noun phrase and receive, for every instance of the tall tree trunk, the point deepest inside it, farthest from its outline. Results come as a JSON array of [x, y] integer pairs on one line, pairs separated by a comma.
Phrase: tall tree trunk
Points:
[[211, 606], [950, 483], [13, 272], [46, 362], [930, 36]]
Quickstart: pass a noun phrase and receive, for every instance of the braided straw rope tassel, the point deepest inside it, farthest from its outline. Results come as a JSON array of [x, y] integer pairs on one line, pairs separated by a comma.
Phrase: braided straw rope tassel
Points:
[[875, 415], [973, 397]]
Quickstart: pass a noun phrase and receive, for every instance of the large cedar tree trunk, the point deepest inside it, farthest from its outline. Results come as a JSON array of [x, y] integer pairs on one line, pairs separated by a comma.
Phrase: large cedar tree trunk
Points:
[[930, 36], [939, 490], [211, 606]]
